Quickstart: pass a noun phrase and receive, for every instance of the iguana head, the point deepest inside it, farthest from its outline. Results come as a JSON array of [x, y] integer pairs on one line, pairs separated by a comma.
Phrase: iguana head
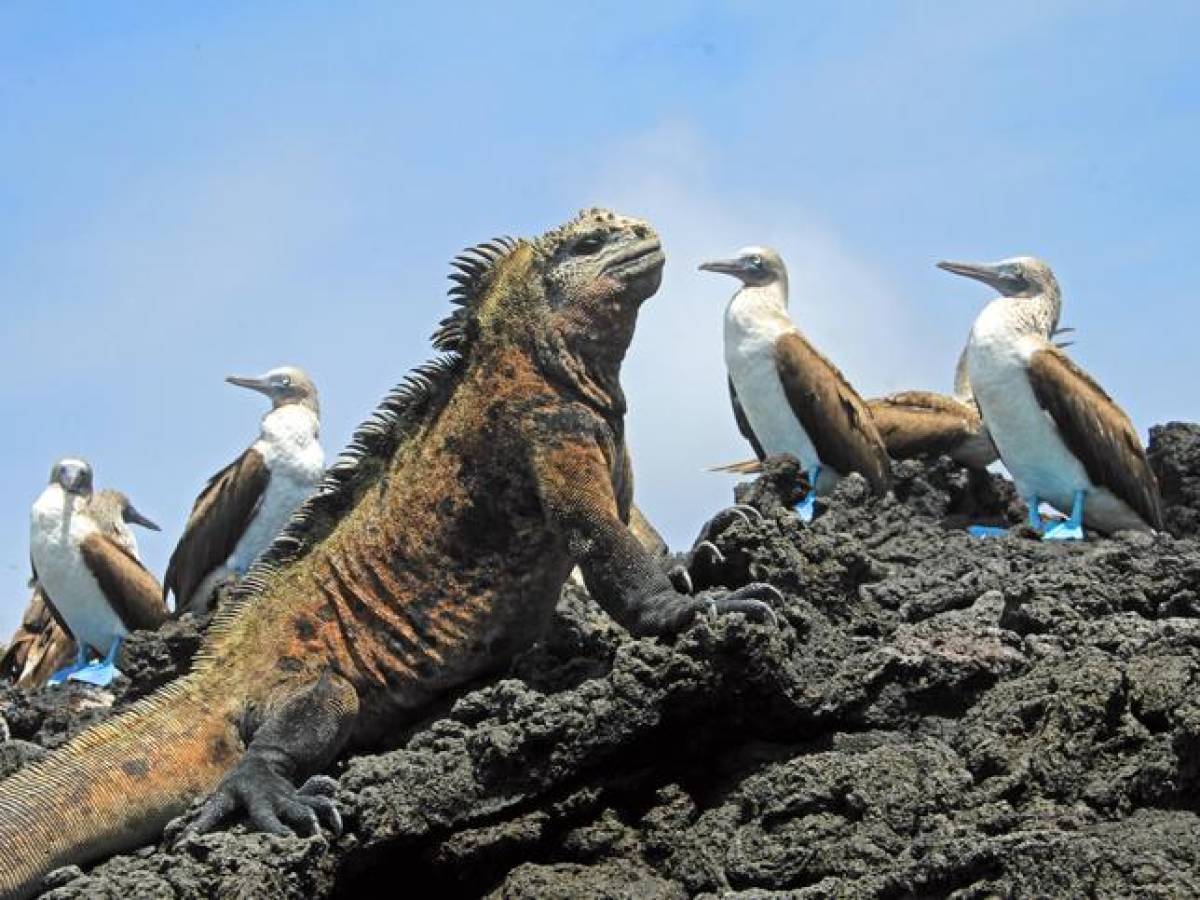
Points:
[[600, 263], [577, 287]]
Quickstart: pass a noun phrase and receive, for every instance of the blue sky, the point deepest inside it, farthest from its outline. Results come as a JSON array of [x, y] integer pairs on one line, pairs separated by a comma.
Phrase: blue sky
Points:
[[189, 191]]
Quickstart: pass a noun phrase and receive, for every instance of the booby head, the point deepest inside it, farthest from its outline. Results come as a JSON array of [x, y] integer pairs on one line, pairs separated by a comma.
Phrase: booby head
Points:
[[287, 384], [73, 475], [752, 266], [1020, 276], [121, 507]]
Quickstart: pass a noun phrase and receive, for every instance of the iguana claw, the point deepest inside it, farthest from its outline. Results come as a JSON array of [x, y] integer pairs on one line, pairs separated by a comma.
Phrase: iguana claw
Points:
[[704, 555], [681, 579], [271, 803], [749, 601], [725, 518]]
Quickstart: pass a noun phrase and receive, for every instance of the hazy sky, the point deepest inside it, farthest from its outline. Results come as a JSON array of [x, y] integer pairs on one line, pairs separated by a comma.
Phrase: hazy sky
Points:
[[189, 191]]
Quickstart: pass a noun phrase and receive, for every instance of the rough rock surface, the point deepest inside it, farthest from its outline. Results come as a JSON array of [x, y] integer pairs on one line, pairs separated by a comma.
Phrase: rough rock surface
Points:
[[934, 715]]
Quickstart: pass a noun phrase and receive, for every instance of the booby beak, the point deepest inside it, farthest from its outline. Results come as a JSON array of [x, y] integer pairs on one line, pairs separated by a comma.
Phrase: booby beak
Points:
[[990, 274], [255, 384], [133, 517], [723, 266]]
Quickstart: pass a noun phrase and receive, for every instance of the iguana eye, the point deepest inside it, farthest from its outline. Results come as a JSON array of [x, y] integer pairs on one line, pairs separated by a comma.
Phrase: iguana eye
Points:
[[588, 245]]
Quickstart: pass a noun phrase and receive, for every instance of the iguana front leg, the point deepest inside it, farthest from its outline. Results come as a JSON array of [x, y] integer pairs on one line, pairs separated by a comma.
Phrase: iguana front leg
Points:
[[298, 738], [576, 489]]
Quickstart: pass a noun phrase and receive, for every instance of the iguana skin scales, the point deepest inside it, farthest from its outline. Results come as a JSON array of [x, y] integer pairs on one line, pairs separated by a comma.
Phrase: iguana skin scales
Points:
[[434, 552]]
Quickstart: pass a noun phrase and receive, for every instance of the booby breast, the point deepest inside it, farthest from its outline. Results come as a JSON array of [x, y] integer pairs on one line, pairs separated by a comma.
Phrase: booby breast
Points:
[[59, 526], [295, 462], [753, 328]]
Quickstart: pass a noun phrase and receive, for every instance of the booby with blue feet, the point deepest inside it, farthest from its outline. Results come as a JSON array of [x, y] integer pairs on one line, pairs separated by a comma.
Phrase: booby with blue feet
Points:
[[97, 589], [786, 396], [42, 645], [245, 505], [1061, 437]]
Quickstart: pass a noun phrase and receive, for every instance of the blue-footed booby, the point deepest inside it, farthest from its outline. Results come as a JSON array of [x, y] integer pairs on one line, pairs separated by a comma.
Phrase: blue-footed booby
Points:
[[245, 505], [97, 589], [923, 424], [1062, 438], [786, 396], [41, 645]]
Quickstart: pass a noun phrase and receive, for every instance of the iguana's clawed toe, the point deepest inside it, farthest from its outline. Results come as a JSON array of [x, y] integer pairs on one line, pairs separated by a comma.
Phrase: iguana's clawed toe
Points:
[[700, 570], [681, 579], [739, 512], [271, 803], [317, 793], [750, 601], [709, 550]]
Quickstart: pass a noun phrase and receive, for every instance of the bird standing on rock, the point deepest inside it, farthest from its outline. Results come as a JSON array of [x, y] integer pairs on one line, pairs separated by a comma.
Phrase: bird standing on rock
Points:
[[1062, 438], [42, 644], [245, 505], [97, 588], [787, 397]]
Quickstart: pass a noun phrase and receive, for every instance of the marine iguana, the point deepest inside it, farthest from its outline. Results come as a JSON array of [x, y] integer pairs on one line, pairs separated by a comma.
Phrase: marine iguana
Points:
[[433, 552]]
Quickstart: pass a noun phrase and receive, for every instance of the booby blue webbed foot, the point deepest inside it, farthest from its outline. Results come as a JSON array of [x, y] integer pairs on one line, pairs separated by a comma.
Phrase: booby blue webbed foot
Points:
[[99, 673], [806, 508], [1063, 531], [66, 672], [1035, 514], [102, 672], [1072, 528], [986, 531]]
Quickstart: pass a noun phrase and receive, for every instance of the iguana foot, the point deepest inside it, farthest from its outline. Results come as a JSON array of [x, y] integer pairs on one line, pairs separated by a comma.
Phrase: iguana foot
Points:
[[705, 556], [750, 602], [739, 512], [270, 802]]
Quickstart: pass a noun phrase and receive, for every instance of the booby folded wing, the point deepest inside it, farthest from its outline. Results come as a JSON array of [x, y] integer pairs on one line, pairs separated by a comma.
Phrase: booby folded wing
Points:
[[1096, 431], [743, 423], [917, 424], [34, 622], [218, 520], [834, 416], [39, 591], [41, 645], [130, 590]]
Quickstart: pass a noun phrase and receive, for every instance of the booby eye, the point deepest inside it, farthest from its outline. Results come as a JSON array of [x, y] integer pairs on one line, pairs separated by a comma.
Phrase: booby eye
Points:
[[285, 380], [756, 261], [588, 245]]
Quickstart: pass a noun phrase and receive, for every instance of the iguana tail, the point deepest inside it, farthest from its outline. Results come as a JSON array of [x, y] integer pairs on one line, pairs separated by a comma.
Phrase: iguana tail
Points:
[[114, 787]]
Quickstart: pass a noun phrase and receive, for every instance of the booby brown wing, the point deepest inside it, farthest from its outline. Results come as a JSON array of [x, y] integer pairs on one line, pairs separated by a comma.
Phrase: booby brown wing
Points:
[[133, 592], [219, 517], [36, 619], [1096, 431], [40, 591], [743, 423], [40, 645], [834, 416], [916, 424]]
